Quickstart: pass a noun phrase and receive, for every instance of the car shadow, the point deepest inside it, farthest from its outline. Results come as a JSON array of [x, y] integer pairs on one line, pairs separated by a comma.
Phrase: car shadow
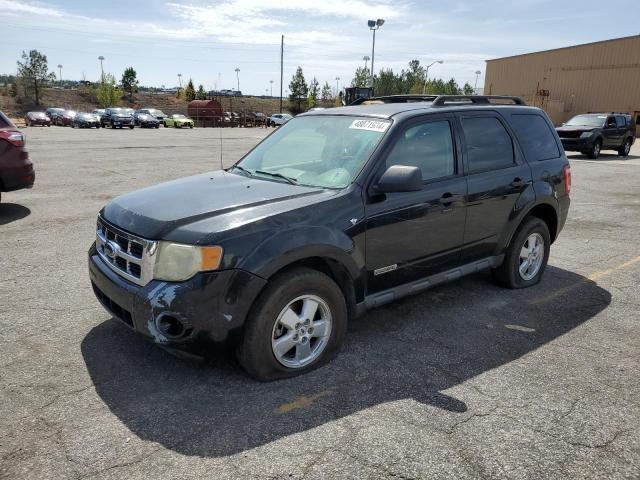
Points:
[[416, 348], [10, 212], [604, 157]]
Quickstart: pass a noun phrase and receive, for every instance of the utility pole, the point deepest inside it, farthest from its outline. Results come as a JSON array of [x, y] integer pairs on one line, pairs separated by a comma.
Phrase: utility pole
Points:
[[101, 58], [60, 68], [237, 70], [366, 59], [373, 26], [281, 69], [180, 80], [271, 82]]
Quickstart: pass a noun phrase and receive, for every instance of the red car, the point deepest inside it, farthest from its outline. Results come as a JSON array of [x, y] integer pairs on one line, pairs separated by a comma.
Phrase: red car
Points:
[[16, 170], [32, 119]]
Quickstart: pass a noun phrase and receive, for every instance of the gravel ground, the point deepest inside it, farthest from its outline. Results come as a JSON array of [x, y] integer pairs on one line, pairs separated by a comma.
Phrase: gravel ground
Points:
[[467, 380]]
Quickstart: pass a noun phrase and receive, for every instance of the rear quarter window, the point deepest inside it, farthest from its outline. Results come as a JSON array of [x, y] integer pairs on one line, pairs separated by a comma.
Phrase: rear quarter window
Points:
[[535, 136]]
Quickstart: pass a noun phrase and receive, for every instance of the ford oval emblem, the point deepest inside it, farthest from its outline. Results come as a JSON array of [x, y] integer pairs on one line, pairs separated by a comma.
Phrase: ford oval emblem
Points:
[[111, 249]]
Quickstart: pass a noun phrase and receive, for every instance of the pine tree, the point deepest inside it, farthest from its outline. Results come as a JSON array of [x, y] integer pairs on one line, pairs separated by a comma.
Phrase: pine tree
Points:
[[33, 71], [190, 91], [298, 89]]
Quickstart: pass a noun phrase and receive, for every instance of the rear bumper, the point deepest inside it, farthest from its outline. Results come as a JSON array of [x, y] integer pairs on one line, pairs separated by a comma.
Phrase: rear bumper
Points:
[[212, 306], [17, 178]]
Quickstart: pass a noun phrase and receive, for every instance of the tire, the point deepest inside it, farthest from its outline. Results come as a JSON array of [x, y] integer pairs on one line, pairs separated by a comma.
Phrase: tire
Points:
[[175, 125], [113, 127], [594, 152], [256, 350], [190, 126], [625, 149], [130, 127], [508, 274], [157, 125]]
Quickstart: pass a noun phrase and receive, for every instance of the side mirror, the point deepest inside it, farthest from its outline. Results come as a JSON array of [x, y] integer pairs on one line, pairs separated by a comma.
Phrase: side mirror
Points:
[[400, 178]]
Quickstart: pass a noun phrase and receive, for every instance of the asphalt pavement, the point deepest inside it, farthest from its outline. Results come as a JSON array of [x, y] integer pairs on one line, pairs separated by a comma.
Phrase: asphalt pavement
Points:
[[467, 380]]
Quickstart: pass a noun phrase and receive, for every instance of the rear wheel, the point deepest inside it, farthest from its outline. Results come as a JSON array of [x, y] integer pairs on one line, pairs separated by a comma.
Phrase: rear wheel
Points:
[[625, 149], [594, 152], [526, 257], [297, 324]]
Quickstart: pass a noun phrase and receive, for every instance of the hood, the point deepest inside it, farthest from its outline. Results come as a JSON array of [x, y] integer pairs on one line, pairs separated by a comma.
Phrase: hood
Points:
[[575, 128], [157, 211]]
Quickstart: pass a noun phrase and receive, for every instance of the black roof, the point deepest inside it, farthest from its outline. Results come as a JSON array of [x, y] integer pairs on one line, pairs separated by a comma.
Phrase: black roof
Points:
[[387, 107]]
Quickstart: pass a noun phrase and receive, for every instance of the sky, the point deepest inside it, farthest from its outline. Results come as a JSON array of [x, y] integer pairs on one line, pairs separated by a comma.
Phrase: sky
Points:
[[208, 40]]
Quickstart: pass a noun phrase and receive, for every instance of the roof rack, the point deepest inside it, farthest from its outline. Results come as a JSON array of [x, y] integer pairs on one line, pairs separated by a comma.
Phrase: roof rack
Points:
[[442, 100], [394, 99]]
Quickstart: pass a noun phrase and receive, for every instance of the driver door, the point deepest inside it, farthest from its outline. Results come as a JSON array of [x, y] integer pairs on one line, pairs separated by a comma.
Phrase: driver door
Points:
[[412, 235]]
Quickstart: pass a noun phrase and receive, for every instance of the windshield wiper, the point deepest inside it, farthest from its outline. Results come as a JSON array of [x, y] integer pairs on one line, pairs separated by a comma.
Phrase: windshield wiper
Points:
[[292, 181], [242, 169]]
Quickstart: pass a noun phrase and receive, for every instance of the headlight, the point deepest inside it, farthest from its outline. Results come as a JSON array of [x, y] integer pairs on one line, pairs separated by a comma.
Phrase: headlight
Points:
[[586, 134], [176, 262]]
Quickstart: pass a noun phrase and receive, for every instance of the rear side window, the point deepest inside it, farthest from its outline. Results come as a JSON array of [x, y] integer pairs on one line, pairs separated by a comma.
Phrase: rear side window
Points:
[[621, 122], [535, 136], [489, 146]]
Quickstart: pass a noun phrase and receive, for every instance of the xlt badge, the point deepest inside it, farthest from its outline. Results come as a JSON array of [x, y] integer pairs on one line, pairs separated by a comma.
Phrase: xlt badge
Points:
[[382, 270]]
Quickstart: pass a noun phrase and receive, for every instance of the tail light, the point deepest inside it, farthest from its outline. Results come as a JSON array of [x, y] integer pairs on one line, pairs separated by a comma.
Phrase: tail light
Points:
[[566, 171], [14, 138]]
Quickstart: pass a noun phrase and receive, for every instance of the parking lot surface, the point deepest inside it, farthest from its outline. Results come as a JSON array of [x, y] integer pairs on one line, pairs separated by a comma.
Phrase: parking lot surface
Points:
[[467, 380]]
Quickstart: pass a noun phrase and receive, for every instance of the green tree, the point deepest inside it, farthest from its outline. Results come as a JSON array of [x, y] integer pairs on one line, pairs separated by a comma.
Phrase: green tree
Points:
[[326, 95], [452, 88], [467, 89], [314, 93], [361, 77], [201, 94], [298, 90], [34, 71], [190, 91], [108, 94], [130, 82]]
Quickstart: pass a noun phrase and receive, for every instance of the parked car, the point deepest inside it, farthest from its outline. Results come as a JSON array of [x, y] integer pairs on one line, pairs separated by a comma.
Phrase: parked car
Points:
[[31, 119], [177, 120], [99, 112], [159, 114], [16, 170], [258, 118], [85, 120], [337, 212], [64, 118], [145, 120], [227, 117], [118, 118], [590, 133], [278, 119], [53, 112]]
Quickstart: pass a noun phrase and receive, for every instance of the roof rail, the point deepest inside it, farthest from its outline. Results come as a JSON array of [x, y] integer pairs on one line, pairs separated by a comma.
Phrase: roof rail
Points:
[[395, 99], [442, 100]]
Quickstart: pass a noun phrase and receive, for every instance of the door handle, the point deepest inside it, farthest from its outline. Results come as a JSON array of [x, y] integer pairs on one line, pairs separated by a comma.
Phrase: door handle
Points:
[[518, 182], [448, 198]]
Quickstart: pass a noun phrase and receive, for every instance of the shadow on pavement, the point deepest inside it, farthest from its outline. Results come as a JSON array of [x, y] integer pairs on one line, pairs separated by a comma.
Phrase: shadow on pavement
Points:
[[10, 212], [604, 157], [415, 348]]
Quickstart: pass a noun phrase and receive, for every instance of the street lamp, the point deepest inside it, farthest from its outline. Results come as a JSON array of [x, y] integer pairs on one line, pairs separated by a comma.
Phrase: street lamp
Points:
[[237, 70], [271, 82], [180, 80], [101, 58], [373, 26], [426, 75], [475, 87], [60, 68], [366, 58], [337, 88]]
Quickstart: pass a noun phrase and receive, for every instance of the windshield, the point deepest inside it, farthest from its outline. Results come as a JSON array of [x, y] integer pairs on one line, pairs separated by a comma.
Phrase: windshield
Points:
[[178, 116], [587, 121], [323, 151]]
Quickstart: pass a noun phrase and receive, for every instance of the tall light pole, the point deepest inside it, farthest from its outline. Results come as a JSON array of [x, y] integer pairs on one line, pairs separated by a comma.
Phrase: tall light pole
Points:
[[60, 68], [426, 75], [237, 70], [374, 25], [271, 82], [101, 58], [366, 58], [337, 88], [475, 87], [180, 80]]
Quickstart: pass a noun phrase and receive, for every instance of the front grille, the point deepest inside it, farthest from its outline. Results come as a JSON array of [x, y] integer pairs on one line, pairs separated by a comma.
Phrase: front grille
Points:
[[569, 133], [128, 255], [115, 309]]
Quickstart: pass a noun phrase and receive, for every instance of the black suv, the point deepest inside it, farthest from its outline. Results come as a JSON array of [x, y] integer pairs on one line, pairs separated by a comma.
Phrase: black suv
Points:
[[590, 133], [117, 118], [336, 212]]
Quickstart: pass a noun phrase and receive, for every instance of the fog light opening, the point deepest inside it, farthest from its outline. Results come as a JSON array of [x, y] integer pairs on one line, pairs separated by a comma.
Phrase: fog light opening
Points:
[[169, 326]]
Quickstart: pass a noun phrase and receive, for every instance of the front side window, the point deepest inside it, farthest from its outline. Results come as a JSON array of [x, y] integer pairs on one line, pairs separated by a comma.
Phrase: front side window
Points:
[[621, 122], [324, 151], [489, 145], [536, 139], [428, 146]]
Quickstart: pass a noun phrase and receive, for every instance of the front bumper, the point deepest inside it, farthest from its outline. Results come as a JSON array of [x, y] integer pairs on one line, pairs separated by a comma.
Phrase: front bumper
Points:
[[213, 306], [577, 144]]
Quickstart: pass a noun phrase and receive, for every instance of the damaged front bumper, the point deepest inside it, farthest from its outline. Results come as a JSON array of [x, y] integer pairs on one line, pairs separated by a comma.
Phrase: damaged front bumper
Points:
[[189, 316]]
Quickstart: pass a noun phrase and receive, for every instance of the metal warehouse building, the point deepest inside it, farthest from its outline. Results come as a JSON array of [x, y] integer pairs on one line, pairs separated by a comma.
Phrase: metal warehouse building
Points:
[[594, 77]]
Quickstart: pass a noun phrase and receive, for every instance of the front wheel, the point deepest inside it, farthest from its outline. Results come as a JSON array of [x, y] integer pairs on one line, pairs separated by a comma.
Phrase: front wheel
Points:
[[625, 149], [130, 127], [526, 257], [297, 324], [595, 150]]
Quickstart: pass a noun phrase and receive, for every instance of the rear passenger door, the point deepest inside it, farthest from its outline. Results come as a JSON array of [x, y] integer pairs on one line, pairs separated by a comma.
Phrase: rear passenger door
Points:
[[610, 132], [621, 124], [497, 175]]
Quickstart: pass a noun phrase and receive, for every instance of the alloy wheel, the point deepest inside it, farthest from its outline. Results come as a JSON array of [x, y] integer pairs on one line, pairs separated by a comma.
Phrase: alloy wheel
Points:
[[531, 256]]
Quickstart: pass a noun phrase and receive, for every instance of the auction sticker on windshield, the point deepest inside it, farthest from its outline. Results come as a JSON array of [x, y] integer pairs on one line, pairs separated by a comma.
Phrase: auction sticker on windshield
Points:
[[372, 125]]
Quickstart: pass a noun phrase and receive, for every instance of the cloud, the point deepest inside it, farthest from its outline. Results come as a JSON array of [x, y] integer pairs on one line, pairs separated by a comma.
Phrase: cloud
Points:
[[8, 6]]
